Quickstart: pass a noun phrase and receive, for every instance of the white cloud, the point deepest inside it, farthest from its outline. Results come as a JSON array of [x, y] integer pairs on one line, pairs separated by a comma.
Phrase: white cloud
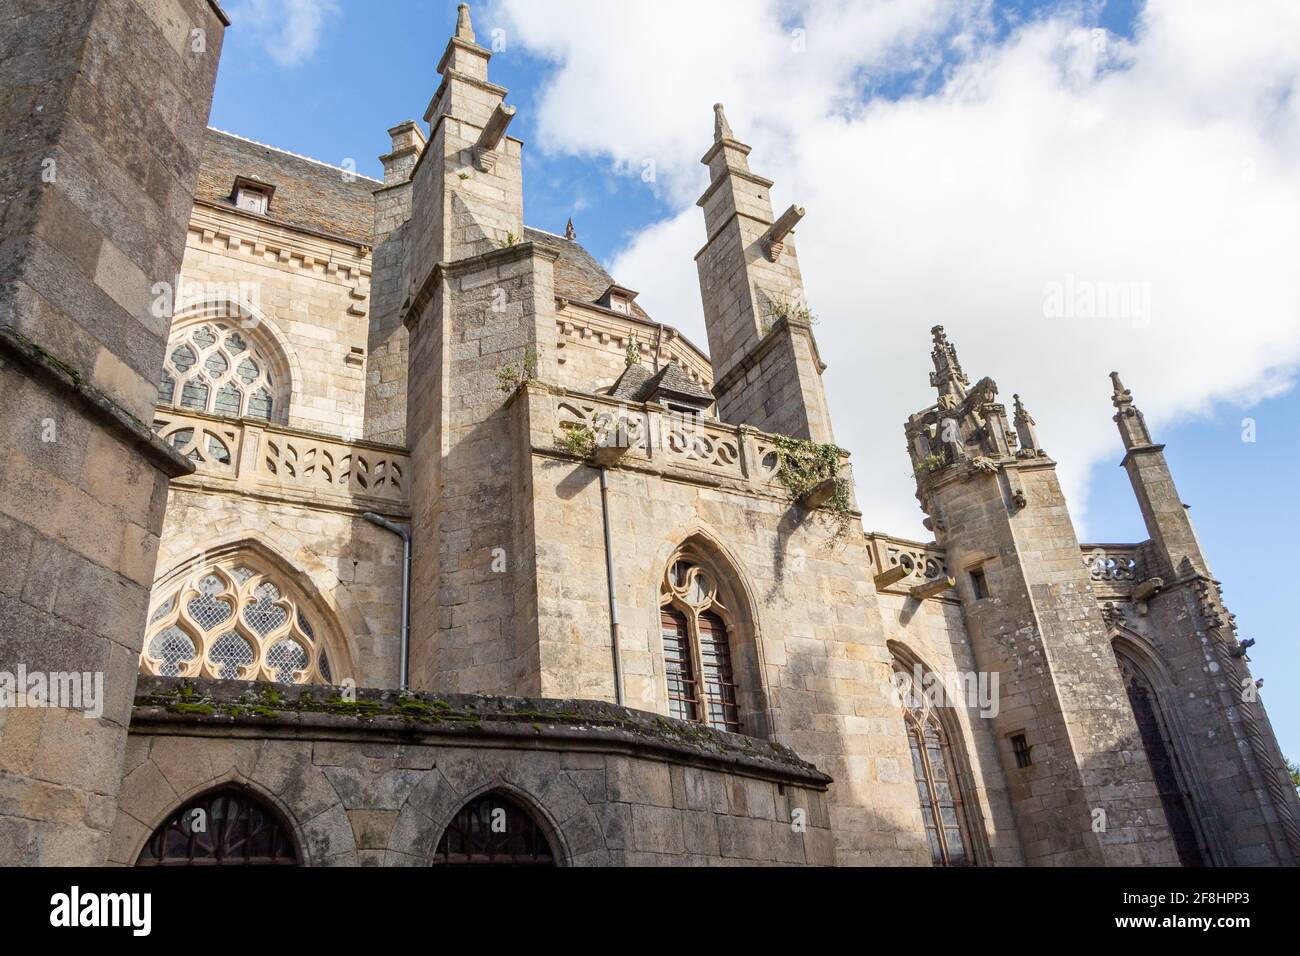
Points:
[[288, 31], [1172, 162]]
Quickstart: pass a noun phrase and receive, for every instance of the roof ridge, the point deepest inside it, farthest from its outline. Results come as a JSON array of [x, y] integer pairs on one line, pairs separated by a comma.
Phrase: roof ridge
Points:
[[351, 172]]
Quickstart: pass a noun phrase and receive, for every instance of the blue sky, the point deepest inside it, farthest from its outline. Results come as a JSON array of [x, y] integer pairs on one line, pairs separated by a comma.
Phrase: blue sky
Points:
[[332, 85]]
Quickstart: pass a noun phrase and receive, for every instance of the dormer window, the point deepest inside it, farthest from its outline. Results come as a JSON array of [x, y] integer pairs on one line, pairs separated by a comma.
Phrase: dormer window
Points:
[[252, 196], [617, 299]]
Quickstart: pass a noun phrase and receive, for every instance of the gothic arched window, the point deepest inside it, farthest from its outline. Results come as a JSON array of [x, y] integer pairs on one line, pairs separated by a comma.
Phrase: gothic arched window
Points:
[[225, 827], [236, 619], [494, 830], [935, 773], [698, 667], [218, 368], [1164, 762]]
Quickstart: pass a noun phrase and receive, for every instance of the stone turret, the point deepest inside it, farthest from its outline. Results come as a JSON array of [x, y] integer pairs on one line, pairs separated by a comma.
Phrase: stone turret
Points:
[[766, 365], [1179, 614], [1064, 728], [480, 302]]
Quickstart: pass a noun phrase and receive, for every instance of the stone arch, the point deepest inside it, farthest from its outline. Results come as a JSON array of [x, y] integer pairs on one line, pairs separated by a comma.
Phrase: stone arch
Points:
[[258, 330], [545, 823], [335, 639], [534, 779], [701, 545], [958, 740], [234, 783], [1175, 765]]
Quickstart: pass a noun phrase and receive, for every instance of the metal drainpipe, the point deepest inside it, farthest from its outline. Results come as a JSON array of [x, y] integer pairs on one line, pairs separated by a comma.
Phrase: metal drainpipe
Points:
[[613, 595], [404, 533]]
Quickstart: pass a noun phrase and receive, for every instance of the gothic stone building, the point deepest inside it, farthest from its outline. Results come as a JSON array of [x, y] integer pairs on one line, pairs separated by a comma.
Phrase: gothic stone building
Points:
[[645, 623]]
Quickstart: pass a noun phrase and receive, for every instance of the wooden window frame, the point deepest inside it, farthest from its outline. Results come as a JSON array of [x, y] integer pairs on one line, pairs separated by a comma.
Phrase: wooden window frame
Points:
[[674, 599]]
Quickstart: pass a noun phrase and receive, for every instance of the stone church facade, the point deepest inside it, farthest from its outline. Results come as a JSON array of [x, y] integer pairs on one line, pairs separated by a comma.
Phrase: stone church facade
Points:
[[462, 557]]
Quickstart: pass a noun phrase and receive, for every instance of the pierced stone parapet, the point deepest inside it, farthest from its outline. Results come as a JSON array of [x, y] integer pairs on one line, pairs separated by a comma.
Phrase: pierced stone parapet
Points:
[[274, 460]]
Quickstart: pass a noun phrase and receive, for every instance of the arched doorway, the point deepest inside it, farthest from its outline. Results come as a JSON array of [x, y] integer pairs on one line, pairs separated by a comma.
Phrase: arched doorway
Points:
[[494, 830], [1153, 728], [229, 826]]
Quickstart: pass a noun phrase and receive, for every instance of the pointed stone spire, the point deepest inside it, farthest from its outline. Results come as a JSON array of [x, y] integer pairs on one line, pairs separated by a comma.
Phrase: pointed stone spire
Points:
[[464, 28], [1025, 428], [721, 128], [1121, 396], [947, 376], [1132, 423], [569, 232]]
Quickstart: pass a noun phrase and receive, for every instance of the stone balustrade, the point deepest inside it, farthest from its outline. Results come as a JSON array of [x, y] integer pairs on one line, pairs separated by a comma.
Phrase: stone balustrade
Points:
[[924, 562], [1113, 563], [649, 435], [272, 459]]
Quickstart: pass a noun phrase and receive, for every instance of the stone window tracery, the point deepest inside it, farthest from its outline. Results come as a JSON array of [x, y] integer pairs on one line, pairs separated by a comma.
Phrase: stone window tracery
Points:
[[934, 772], [698, 668], [214, 367], [236, 620]]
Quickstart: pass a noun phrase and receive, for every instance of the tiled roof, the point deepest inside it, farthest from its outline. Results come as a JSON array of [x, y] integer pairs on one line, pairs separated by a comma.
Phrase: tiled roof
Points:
[[308, 194]]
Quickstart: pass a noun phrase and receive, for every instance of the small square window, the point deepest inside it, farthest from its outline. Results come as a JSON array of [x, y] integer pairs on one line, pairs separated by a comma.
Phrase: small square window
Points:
[[1020, 747], [978, 585], [251, 200]]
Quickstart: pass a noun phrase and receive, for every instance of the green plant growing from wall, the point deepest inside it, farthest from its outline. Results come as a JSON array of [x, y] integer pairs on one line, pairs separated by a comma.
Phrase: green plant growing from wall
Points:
[[788, 309], [930, 464], [510, 240], [578, 440], [510, 376], [802, 465]]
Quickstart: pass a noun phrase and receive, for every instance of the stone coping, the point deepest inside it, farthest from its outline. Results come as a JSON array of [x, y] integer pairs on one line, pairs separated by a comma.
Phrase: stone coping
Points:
[[230, 708], [96, 403]]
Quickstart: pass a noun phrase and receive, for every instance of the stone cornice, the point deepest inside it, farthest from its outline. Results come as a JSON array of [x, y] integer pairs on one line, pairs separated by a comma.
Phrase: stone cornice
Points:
[[448, 77], [277, 231], [243, 709], [1136, 449], [736, 174], [94, 402], [221, 14], [768, 342], [493, 258], [456, 43]]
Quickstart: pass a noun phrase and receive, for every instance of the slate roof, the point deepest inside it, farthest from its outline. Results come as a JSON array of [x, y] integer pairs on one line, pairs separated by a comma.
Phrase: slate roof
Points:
[[639, 384], [578, 276], [308, 194]]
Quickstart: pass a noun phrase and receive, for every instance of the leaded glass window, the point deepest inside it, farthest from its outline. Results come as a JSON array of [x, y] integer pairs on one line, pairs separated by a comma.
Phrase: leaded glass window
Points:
[[494, 830], [213, 368], [225, 827], [698, 671], [236, 620], [938, 788]]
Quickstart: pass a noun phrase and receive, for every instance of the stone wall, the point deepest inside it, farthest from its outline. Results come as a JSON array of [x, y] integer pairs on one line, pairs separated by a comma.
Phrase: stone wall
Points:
[[312, 296], [98, 160], [609, 786], [352, 568], [808, 638]]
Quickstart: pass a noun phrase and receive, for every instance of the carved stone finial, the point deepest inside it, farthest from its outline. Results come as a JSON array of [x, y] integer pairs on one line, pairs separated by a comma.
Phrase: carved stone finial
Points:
[[464, 28], [569, 232], [1122, 397], [721, 128], [1025, 423], [947, 376]]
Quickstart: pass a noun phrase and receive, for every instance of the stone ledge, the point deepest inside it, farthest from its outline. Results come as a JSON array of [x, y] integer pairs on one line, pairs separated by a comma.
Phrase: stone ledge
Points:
[[242, 708], [94, 402]]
